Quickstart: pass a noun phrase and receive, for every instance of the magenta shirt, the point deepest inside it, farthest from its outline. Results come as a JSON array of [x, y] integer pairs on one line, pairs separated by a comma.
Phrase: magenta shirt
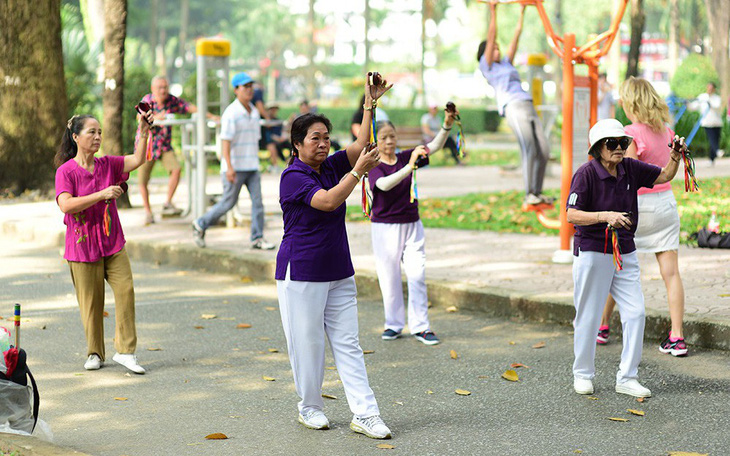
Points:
[[652, 147], [85, 238]]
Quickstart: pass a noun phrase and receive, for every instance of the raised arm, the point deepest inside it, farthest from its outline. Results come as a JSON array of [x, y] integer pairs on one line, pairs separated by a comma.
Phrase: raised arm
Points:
[[363, 136], [132, 162], [329, 200], [670, 170], [437, 143], [512, 51], [491, 35]]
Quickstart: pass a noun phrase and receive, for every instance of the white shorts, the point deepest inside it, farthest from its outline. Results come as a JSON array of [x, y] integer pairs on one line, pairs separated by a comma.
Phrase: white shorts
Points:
[[658, 228]]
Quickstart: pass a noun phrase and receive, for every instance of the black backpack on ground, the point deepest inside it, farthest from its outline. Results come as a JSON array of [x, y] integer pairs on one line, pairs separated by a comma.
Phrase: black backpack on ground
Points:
[[710, 240], [20, 375]]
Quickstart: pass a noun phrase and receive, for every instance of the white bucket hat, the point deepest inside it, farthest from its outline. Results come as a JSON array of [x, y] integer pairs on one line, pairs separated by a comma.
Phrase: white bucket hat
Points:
[[606, 128]]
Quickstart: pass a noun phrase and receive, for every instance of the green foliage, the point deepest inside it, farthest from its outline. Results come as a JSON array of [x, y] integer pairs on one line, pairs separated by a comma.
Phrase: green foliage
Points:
[[80, 62], [692, 76]]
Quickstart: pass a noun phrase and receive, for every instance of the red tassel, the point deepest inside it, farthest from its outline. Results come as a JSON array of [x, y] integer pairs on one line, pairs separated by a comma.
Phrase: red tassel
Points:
[[107, 221]]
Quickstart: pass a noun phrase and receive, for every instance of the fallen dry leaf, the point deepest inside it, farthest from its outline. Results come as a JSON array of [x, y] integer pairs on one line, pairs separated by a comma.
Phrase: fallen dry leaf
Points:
[[332, 368], [216, 436], [368, 352], [453, 354], [329, 396], [385, 446], [539, 345], [640, 399], [462, 392], [483, 376], [235, 416], [269, 379], [452, 309], [686, 453], [208, 316], [623, 420], [398, 403], [246, 279], [273, 350], [429, 392], [198, 327], [270, 308], [636, 412], [106, 314], [592, 398], [512, 342], [243, 326], [154, 349], [264, 338], [516, 365], [120, 398], [510, 375]]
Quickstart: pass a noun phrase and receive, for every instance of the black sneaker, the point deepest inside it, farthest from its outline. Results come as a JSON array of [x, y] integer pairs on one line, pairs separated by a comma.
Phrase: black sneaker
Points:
[[198, 234], [390, 334], [676, 348], [427, 337]]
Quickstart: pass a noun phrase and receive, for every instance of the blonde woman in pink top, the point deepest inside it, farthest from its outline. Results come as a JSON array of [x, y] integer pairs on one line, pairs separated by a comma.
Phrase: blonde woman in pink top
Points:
[[658, 228], [87, 188]]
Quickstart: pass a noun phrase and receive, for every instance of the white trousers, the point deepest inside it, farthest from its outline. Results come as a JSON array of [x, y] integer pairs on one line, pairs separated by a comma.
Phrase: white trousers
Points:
[[393, 244], [595, 276], [309, 310]]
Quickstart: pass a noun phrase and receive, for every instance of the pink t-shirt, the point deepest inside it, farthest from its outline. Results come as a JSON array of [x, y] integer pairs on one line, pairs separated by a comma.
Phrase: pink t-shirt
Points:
[[85, 238], [652, 147]]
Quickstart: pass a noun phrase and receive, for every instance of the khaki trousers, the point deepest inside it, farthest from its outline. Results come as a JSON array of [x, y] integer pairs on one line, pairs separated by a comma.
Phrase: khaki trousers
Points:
[[88, 279]]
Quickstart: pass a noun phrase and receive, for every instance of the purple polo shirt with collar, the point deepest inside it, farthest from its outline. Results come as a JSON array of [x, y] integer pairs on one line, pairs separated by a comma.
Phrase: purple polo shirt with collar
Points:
[[393, 206], [315, 244], [593, 189]]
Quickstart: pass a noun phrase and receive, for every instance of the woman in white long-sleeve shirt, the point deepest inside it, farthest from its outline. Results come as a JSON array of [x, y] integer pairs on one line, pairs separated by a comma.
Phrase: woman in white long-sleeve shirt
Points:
[[397, 232]]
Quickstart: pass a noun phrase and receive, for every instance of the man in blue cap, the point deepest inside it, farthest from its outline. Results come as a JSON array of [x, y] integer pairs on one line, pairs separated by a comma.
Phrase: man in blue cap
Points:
[[240, 134]]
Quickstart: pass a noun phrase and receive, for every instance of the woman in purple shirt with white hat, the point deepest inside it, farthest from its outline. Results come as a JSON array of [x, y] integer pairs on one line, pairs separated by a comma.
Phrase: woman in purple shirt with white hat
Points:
[[603, 206], [87, 188], [397, 232], [314, 273]]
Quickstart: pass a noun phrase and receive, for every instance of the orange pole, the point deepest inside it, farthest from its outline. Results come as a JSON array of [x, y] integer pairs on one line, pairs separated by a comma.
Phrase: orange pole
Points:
[[566, 156]]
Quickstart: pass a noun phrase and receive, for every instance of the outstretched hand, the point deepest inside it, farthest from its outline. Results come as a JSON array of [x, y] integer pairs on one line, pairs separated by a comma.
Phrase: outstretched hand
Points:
[[375, 91], [418, 152], [369, 158], [145, 121]]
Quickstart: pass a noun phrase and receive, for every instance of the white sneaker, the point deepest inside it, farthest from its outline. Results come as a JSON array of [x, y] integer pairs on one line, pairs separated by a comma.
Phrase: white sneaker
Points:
[[633, 388], [582, 386], [93, 363], [261, 244], [129, 360], [372, 426], [314, 419]]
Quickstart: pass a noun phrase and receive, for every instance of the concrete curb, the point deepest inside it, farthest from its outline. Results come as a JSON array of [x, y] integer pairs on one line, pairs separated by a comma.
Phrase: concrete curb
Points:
[[496, 302], [24, 445]]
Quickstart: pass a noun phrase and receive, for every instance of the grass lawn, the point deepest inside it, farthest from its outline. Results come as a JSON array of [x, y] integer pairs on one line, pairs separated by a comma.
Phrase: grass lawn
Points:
[[500, 211]]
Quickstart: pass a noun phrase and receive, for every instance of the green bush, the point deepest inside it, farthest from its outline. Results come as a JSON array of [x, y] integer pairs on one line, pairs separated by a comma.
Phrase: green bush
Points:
[[692, 76]]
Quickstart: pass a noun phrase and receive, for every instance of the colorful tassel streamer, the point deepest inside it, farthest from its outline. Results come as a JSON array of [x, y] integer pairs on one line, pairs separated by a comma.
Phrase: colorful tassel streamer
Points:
[[690, 181], [107, 222], [414, 185], [367, 199], [617, 260], [460, 143], [373, 128], [149, 147]]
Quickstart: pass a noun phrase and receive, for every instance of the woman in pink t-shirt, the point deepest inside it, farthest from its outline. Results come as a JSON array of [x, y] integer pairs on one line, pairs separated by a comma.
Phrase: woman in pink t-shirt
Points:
[[86, 191], [658, 228]]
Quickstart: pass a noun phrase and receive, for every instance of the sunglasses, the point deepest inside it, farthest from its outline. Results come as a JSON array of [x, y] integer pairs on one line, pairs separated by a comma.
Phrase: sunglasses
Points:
[[614, 143]]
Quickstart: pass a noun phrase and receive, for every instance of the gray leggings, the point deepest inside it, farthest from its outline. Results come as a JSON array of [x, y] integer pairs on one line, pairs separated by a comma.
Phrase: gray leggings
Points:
[[527, 126]]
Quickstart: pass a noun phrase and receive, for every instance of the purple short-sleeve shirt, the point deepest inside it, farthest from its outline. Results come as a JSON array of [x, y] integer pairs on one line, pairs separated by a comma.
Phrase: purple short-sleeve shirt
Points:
[[593, 189], [393, 206], [85, 238], [314, 246]]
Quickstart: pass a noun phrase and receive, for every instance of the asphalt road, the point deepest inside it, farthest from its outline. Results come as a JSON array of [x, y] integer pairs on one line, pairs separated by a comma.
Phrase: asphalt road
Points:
[[205, 375]]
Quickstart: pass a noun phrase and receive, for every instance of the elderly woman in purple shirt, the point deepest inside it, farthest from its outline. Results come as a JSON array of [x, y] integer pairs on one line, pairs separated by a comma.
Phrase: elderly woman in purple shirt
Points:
[[397, 232], [87, 188], [314, 272], [602, 204]]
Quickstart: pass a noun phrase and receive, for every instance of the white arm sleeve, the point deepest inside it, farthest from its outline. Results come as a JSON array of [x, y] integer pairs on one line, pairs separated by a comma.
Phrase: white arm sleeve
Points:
[[386, 183], [438, 142]]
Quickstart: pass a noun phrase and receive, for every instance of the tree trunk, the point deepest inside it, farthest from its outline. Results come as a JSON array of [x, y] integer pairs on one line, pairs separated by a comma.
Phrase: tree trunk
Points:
[[637, 29], [33, 104], [160, 60], [367, 41], [718, 15], [115, 19], [92, 14], [674, 32]]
